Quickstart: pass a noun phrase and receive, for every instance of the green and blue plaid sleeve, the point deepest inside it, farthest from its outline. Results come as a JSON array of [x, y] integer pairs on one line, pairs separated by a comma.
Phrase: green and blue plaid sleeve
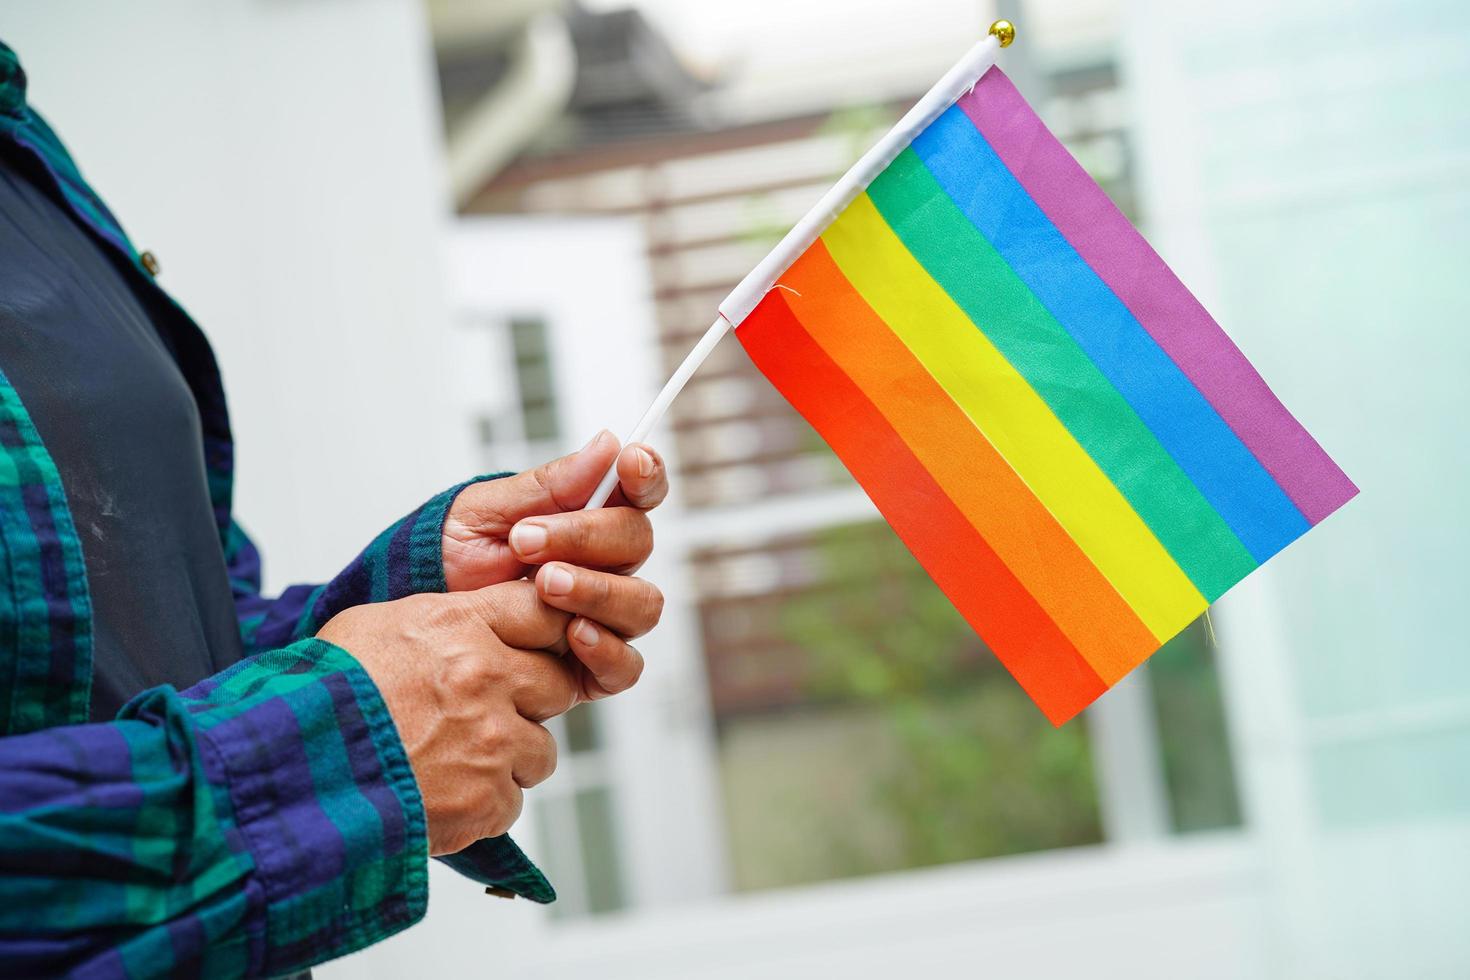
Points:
[[257, 823], [406, 559]]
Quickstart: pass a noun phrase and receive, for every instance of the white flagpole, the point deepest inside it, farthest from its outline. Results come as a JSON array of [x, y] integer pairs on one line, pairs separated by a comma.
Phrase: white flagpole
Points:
[[753, 288], [661, 404]]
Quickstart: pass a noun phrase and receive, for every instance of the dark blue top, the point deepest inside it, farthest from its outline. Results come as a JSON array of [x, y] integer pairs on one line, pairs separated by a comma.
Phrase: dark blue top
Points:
[[109, 401]]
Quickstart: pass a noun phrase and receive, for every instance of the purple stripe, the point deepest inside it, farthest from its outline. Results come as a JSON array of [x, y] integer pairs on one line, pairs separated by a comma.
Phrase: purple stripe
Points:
[[1154, 295], [295, 844], [61, 611], [187, 940], [81, 766], [398, 556]]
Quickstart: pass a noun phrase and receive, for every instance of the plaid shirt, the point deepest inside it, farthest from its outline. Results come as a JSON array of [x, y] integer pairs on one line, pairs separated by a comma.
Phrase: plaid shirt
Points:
[[259, 822]]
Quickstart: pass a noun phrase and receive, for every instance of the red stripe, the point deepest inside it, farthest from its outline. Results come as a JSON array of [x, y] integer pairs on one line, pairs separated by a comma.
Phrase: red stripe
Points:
[[964, 566], [996, 501]]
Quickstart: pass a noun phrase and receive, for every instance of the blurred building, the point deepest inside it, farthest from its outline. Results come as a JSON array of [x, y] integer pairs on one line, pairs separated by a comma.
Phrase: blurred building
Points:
[[858, 732], [835, 718], [822, 772]]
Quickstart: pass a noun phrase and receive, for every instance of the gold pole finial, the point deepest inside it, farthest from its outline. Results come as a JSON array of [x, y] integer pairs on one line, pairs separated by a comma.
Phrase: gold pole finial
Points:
[[1004, 32]]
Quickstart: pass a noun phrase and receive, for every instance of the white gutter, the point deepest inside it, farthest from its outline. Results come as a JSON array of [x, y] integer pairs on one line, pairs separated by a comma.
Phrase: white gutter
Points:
[[543, 70]]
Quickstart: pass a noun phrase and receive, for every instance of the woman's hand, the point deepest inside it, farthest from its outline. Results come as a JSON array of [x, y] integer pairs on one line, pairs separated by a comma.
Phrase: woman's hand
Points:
[[468, 682], [497, 531]]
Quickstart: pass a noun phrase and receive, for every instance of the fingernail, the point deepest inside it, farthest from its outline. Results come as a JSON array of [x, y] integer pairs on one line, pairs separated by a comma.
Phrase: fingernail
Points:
[[527, 539], [585, 633], [645, 461], [595, 440], [557, 580]]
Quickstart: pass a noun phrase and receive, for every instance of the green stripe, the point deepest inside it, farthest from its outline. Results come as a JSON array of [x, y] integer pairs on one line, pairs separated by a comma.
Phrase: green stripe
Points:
[[338, 796], [35, 618], [972, 272]]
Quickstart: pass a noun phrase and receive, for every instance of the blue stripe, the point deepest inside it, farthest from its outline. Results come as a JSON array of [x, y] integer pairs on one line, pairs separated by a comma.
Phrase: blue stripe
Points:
[[1186, 425]]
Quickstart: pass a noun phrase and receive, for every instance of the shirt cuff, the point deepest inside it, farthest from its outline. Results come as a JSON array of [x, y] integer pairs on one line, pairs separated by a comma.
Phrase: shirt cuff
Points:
[[502, 867], [304, 758], [420, 557]]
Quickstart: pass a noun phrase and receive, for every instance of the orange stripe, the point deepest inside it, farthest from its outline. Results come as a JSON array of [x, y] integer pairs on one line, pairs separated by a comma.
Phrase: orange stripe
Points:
[[974, 578], [1043, 556]]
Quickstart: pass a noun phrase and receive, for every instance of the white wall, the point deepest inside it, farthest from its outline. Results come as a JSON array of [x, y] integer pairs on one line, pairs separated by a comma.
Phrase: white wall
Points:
[[283, 161], [1307, 167]]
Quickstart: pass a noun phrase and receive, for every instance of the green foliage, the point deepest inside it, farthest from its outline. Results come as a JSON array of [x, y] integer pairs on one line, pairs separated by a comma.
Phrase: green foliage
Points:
[[981, 774], [976, 770]]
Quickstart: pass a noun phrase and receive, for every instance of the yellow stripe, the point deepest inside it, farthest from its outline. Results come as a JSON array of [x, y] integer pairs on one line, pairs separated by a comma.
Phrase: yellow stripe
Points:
[[1015, 419]]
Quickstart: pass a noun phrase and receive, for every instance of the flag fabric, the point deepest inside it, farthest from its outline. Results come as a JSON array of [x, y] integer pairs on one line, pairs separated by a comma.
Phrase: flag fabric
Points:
[[1064, 438]]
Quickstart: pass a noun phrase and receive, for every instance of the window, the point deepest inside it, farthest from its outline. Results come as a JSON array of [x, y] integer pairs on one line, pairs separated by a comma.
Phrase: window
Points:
[[1199, 773], [534, 379], [863, 727], [509, 382], [575, 821]]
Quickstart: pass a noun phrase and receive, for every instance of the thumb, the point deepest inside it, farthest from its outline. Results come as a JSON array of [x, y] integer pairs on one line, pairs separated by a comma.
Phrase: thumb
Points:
[[564, 484]]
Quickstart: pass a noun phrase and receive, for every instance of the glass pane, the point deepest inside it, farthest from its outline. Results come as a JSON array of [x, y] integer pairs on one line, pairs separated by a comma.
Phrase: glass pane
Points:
[[583, 733], [604, 878], [528, 335], [539, 421], [556, 829], [863, 727], [535, 378], [485, 430], [1199, 775]]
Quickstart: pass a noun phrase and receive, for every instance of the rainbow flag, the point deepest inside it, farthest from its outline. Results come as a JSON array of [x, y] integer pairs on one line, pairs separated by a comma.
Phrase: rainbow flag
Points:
[[1064, 438]]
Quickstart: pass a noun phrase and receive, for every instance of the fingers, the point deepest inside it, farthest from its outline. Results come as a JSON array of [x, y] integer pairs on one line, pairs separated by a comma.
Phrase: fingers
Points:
[[510, 802], [617, 539], [565, 484], [519, 618], [539, 683], [643, 480], [628, 606], [476, 552], [534, 758], [494, 506], [542, 686], [610, 664]]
